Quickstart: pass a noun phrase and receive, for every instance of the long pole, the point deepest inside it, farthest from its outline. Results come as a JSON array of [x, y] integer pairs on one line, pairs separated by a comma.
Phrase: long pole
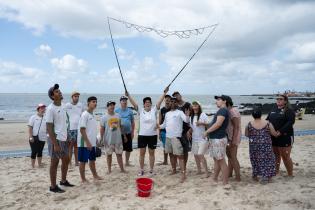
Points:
[[193, 55], [111, 36]]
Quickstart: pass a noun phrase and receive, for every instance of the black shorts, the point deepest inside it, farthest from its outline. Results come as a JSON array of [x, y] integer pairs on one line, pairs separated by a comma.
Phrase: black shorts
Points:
[[127, 146], [282, 141], [186, 144], [150, 141]]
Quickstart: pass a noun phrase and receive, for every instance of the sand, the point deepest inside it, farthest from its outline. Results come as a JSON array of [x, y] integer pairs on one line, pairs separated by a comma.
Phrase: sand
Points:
[[24, 188]]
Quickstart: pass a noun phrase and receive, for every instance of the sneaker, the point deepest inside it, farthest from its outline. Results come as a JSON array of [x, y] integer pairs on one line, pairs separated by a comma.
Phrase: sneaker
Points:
[[56, 189], [151, 173], [66, 184], [141, 173]]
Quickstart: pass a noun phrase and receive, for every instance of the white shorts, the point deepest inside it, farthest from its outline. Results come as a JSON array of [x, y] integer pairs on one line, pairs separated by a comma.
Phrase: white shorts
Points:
[[200, 147], [117, 148], [217, 148], [174, 146]]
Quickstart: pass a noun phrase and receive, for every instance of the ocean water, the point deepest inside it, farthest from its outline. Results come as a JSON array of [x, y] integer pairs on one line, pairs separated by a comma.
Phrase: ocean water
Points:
[[20, 106]]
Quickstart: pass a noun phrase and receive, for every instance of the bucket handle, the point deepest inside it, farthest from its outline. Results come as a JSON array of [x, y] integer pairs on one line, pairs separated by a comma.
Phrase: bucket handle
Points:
[[152, 187]]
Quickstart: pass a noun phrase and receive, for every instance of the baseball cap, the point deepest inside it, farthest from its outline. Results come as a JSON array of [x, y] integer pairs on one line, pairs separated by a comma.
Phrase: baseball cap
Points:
[[123, 98], [110, 103], [51, 91], [40, 105], [75, 93], [223, 97], [196, 102]]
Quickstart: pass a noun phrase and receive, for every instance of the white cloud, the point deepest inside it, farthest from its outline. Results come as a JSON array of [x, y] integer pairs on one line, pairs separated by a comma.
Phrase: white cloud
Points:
[[256, 42], [140, 72], [43, 50], [124, 55], [13, 73], [69, 65], [304, 53], [102, 46]]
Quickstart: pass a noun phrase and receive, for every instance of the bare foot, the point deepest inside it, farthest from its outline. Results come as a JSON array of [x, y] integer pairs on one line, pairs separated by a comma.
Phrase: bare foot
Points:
[[85, 181], [215, 179], [199, 173], [97, 177], [183, 178], [207, 175], [77, 164], [226, 186], [173, 172], [238, 179], [255, 178], [124, 171]]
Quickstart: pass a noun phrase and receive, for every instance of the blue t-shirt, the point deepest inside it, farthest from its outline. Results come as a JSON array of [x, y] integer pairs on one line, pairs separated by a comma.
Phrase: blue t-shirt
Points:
[[220, 132], [126, 117]]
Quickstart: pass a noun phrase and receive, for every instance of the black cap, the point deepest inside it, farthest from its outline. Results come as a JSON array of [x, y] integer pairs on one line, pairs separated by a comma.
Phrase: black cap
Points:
[[223, 97], [174, 99], [175, 93], [51, 91], [110, 103], [123, 98], [167, 96], [91, 98]]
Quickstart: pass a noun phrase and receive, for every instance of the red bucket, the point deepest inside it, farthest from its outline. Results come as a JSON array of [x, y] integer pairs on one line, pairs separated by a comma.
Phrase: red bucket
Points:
[[144, 185]]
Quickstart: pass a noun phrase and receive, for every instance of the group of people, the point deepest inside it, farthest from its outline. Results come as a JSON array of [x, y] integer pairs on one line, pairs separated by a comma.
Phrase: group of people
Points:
[[182, 127]]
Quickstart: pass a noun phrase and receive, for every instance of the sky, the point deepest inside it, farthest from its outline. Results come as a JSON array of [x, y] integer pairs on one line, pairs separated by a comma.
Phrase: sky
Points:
[[259, 46]]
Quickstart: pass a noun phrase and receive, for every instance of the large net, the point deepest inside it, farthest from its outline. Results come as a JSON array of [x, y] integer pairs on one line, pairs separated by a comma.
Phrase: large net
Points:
[[165, 33]]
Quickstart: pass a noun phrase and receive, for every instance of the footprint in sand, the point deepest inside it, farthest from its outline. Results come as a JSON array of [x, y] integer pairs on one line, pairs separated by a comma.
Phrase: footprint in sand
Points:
[[60, 198], [197, 192]]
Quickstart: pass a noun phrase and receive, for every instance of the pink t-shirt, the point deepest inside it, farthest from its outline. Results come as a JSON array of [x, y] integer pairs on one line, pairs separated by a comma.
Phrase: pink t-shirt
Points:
[[234, 113]]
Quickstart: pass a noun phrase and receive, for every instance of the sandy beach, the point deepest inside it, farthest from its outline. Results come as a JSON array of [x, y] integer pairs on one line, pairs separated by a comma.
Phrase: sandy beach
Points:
[[24, 188]]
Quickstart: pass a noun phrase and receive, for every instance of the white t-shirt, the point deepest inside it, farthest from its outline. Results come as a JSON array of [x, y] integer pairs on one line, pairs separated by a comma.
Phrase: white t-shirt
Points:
[[74, 112], [148, 120], [197, 131], [88, 122], [173, 123], [59, 117], [38, 125]]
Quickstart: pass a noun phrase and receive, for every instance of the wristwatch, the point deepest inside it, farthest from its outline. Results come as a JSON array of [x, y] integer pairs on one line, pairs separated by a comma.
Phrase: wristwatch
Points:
[[31, 138]]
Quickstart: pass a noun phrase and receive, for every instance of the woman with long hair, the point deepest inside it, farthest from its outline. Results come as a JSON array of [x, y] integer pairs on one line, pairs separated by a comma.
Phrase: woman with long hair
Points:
[[200, 144], [282, 117]]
